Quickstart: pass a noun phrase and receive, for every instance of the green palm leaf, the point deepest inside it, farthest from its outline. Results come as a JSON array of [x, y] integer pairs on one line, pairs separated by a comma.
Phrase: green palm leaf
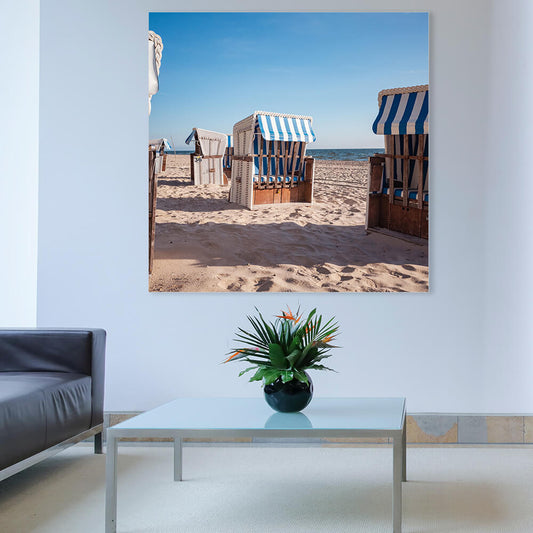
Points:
[[286, 347]]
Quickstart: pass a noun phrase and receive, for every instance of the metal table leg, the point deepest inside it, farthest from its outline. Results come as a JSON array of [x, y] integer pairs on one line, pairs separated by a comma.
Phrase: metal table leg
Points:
[[404, 446], [111, 485], [397, 475], [177, 459]]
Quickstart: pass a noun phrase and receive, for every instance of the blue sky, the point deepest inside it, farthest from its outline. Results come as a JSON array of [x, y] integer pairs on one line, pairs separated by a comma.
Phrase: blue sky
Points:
[[218, 68]]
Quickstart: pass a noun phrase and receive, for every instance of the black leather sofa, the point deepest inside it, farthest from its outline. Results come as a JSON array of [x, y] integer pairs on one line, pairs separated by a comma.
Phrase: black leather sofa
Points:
[[51, 393]]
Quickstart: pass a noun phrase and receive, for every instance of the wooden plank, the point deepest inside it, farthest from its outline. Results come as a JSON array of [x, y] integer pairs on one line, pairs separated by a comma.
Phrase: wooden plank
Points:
[[405, 171], [260, 171], [276, 165], [286, 148], [289, 158], [269, 144], [308, 187], [420, 164], [424, 223], [376, 173], [374, 211], [400, 156], [263, 196], [302, 162], [409, 220], [384, 212], [392, 165], [295, 151]]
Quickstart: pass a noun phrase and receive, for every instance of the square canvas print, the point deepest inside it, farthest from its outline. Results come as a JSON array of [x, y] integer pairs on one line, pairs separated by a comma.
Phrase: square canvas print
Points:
[[288, 152]]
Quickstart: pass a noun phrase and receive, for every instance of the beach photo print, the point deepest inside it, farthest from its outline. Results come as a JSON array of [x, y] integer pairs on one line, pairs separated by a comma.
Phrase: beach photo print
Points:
[[288, 152]]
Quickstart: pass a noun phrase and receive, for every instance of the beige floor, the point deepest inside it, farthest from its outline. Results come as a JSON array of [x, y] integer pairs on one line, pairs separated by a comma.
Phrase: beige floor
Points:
[[266, 489]]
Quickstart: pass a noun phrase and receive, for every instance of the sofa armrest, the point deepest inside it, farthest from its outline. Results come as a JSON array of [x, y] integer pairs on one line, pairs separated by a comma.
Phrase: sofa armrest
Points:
[[80, 351], [98, 376]]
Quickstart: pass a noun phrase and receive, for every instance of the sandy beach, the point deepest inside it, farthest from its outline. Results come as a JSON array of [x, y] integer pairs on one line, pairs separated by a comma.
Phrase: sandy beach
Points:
[[204, 243]]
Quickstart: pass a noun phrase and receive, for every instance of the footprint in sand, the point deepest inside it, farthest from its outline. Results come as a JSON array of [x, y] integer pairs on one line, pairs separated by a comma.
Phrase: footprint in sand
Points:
[[323, 270], [346, 278], [236, 286], [264, 284], [400, 274], [348, 270], [409, 267]]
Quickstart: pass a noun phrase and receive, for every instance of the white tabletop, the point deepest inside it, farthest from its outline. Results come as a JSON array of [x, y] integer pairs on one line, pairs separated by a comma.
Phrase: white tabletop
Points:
[[255, 414]]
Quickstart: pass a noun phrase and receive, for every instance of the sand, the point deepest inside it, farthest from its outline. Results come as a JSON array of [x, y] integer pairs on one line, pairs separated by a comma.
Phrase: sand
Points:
[[204, 243]]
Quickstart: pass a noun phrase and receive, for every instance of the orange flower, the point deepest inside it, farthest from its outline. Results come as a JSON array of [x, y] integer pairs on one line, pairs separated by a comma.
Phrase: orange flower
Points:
[[232, 356], [289, 316]]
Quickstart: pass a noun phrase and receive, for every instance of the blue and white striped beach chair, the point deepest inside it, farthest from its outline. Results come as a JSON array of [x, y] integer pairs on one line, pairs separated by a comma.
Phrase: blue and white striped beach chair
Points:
[[269, 162], [403, 118], [396, 167]]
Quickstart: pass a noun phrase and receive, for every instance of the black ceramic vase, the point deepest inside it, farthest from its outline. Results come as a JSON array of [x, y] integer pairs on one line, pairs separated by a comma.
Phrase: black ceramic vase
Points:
[[289, 397]]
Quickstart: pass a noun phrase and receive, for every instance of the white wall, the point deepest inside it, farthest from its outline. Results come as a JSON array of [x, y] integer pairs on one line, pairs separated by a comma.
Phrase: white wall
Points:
[[508, 349], [19, 161], [93, 229]]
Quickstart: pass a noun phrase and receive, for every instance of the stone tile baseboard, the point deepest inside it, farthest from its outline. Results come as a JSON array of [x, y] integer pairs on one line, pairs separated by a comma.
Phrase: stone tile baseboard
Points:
[[424, 428]]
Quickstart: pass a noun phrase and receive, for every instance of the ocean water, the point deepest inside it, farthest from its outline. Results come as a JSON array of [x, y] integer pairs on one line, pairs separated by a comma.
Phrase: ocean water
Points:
[[345, 154], [339, 154]]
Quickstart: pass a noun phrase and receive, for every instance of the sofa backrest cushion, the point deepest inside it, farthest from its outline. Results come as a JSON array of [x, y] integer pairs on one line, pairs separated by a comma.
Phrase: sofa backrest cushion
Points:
[[45, 351]]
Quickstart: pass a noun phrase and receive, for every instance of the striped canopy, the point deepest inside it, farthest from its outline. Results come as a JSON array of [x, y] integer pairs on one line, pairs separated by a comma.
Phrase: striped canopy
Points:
[[230, 141], [156, 143], [190, 137], [280, 128], [403, 113]]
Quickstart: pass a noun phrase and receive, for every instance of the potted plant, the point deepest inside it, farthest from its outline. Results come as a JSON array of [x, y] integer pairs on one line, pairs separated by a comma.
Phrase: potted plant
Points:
[[281, 352]]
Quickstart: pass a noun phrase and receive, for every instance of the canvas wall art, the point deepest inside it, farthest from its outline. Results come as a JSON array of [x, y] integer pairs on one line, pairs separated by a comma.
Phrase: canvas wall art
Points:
[[288, 152]]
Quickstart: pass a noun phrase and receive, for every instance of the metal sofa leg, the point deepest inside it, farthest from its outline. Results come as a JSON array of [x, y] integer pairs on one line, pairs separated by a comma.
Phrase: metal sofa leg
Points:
[[98, 443]]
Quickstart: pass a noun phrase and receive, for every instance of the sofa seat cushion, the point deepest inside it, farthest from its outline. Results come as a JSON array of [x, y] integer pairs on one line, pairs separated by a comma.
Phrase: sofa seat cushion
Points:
[[39, 410]]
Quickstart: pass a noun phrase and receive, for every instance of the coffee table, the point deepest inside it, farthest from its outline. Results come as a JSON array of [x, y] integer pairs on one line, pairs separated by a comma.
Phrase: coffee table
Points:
[[252, 417]]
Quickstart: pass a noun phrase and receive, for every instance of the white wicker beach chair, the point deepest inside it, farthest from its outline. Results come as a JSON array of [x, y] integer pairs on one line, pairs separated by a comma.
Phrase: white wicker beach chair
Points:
[[155, 51], [207, 158]]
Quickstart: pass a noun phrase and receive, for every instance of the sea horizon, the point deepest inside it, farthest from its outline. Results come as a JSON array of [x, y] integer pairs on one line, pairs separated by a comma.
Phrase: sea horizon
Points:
[[331, 154]]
